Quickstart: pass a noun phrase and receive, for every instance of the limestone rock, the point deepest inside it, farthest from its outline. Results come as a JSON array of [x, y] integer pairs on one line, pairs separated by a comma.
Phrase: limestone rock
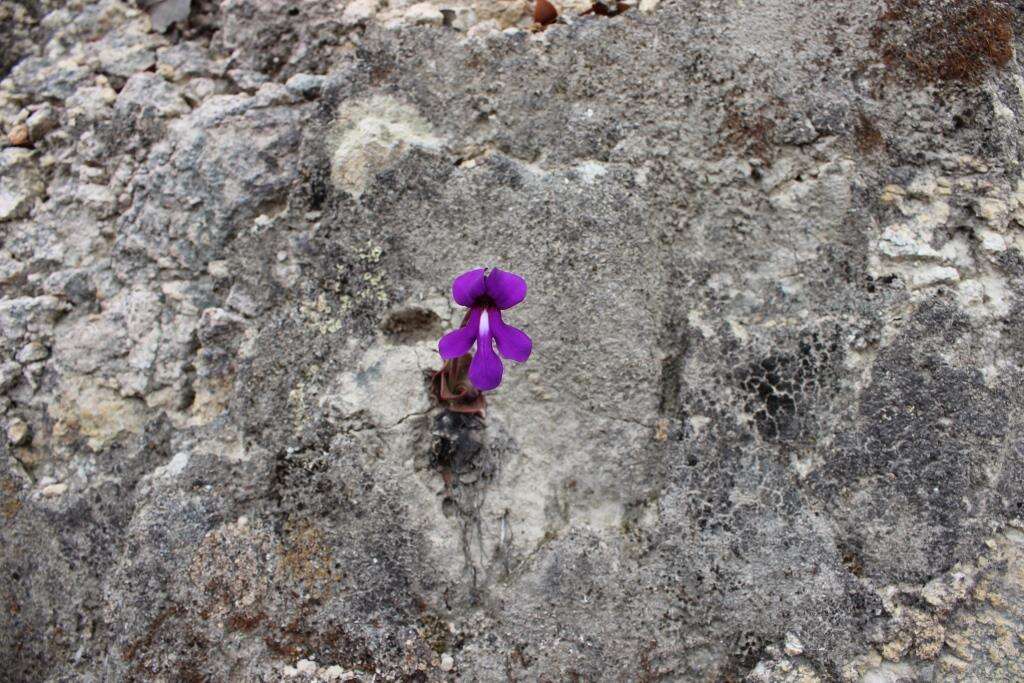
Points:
[[773, 424], [22, 182]]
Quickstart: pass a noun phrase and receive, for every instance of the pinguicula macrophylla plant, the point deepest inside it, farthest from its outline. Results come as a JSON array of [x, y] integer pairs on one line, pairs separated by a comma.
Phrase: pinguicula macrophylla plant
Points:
[[486, 295]]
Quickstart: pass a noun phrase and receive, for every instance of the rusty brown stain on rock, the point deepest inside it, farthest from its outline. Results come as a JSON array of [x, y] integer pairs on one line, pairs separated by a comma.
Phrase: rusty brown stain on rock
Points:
[[944, 41]]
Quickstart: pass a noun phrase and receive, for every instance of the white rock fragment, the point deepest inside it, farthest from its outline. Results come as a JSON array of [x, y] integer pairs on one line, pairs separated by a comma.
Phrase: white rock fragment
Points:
[[991, 241], [928, 276], [333, 673], [359, 12], [17, 432], [174, 467], [986, 296], [163, 13], [218, 269], [793, 647], [54, 490], [590, 171], [447, 662], [424, 14], [306, 666], [371, 135], [907, 240]]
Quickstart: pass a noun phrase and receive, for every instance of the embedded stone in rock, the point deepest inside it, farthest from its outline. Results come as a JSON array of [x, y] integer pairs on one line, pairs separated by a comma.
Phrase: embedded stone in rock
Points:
[[386, 387], [22, 182], [17, 432], [370, 135], [147, 95], [359, 11], [163, 13], [19, 136]]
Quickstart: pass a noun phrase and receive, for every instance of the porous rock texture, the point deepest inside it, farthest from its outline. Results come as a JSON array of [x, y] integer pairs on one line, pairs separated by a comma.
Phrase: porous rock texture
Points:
[[773, 427]]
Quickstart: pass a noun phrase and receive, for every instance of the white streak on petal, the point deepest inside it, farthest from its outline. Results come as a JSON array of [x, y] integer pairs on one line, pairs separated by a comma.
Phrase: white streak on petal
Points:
[[485, 324]]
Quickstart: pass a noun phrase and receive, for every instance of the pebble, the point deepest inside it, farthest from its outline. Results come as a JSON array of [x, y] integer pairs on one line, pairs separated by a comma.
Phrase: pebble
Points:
[[32, 352], [41, 123], [54, 490], [447, 662], [17, 431], [306, 85], [306, 666], [19, 136], [358, 12], [424, 13], [218, 269]]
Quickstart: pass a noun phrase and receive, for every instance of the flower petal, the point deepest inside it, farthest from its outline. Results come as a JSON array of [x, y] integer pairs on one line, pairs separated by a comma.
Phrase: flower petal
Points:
[[485, 369], [513, 343], [468, 286], [506, 289], [458, 342]]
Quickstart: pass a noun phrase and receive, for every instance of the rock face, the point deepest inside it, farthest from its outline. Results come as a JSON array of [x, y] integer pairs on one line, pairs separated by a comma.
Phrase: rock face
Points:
[[773, 428]]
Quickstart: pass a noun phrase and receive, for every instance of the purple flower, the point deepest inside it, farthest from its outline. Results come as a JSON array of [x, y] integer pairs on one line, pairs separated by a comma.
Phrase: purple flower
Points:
[[486, 295]]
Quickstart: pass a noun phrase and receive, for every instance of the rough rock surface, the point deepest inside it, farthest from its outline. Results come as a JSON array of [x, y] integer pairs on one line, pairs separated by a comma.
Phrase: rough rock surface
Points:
[[774, 424]]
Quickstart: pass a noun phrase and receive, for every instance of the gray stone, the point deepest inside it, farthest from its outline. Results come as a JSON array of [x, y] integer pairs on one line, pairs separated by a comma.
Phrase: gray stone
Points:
[[41, 122], [40, 77], [17, 432], [75, 285], [186, 60], [9, 373], [32, 352], [22, 183], [149, 95], [163, 13], [307, 85], [126, 52]]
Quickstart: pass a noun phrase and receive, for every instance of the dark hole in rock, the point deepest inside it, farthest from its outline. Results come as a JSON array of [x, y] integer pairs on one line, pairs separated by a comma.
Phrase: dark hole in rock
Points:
[[412, 324]]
